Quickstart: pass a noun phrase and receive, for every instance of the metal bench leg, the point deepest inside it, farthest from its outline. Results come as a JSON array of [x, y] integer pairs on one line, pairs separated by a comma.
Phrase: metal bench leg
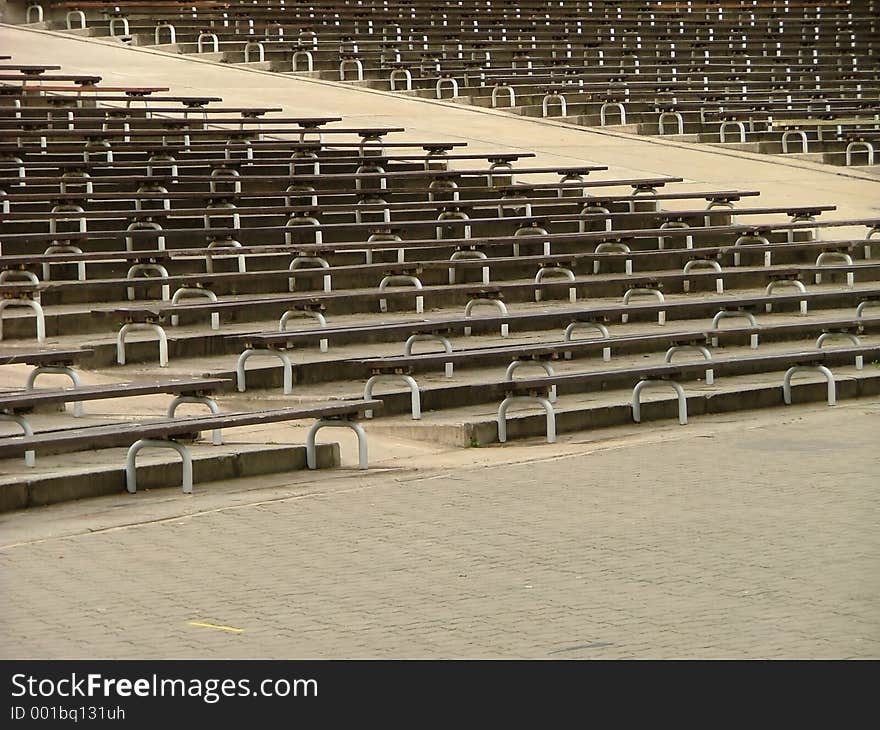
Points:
[[852, 338], [322, 321], [57, 370], [753, 340], [510, 400], [283, 356], [679, 391], [704, 351], [142, 326], [415, 397], [195, 291], [547, 367], [311, 449], [30, 457], [497, 303], [131, 466], [38, 311], [447, 347], [786, 382], [217, 434], [602, 329]]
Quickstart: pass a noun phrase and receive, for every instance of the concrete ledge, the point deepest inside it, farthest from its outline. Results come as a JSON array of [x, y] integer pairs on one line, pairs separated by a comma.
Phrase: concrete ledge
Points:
[[94, 481], [531, 422]]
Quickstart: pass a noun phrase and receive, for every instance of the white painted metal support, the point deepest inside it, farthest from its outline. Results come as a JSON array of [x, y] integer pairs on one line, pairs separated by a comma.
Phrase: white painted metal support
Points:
[[131, 466], [510, 400], [849, 337], [702, 349], [241, 382], [415, 397], [142, 326], [786, 382], [57, 370], [733, 315], [216, 434], [311, 448], [643, 384], [642, 291]]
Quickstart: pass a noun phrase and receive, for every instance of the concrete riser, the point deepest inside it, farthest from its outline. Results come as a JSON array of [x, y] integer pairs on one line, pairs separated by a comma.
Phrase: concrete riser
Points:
[[530, 426], [47, 489]]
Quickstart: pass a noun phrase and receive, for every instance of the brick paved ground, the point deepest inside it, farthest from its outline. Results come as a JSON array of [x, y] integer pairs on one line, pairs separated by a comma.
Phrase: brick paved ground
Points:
[[766, 546]]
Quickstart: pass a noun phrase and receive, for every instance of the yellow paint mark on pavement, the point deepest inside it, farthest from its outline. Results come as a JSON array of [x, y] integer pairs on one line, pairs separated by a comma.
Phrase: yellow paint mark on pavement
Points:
[[202, 625]]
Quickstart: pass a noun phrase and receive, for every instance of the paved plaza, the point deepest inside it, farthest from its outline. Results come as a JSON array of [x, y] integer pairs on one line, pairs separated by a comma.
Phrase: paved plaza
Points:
[[748, 536]]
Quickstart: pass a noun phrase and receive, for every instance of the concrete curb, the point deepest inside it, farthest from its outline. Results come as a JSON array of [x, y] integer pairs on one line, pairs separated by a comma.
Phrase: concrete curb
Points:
[[52, 488]]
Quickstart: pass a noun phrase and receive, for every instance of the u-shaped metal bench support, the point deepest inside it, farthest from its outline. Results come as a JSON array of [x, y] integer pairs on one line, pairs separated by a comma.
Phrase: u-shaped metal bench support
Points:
[[415, 397], [467, 254], [679, 391], [849, 336], [311, 449], [290, 313], [141, 327], [451, 82], [57, 370], [216, 434], [703, 264], [147, 268], [556, 271], [603, 112], [613, 247], [403, 73], [641, 291], [739, 126], [240, 377], [301, 262], [224, 243], [774, 285], [125, 27], [860, 310], [38, 312], [666, 225], [195, 291], [866, 147], [254, 45], [429, 337], [601, 328], [497, 91], [172, 33], [30, 457], [786, 382], [702, 349], [546, 366], [79, 15], [212, 37], [794, 134], [307, 55], [401, 279], [497, 303], [37, 10], [544, 402], [358, 67], [752, 238], [679, 120], [131, 466], [753, 340], [553, 98], [826, 256]]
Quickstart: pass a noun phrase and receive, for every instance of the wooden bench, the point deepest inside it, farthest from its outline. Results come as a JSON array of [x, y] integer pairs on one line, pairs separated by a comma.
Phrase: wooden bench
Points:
[[13, 404], [170, 433]]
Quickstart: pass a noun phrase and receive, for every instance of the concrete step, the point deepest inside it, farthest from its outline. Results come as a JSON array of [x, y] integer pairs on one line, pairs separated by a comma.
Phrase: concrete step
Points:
[[91, 474], [478, 426]]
